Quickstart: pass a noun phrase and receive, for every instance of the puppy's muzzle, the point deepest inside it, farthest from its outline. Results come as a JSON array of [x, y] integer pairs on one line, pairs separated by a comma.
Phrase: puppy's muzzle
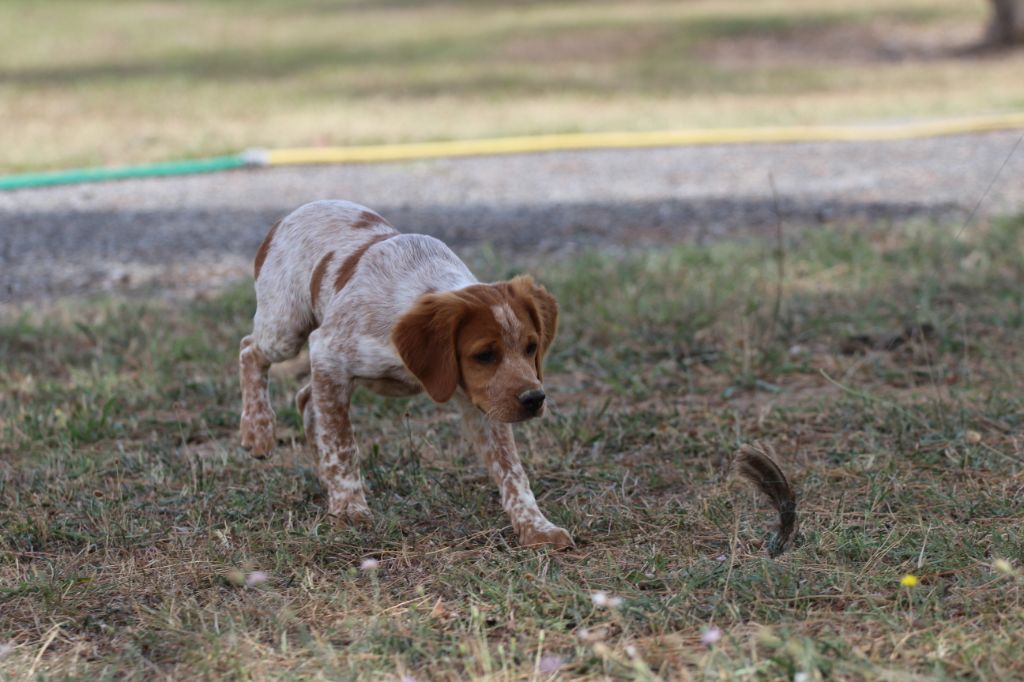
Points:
[[532, 400]]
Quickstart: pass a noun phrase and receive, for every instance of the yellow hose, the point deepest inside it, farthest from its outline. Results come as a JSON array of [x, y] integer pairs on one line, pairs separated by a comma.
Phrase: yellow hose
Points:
[[520, 145], [620, 140]]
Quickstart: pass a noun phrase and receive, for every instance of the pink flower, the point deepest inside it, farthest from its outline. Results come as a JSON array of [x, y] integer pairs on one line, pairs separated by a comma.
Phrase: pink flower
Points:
[[255, 578], [369, 565], [710, 636], [550, 664]]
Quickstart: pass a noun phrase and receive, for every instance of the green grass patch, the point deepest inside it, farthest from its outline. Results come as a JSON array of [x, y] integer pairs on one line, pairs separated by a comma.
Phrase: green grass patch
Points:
[[130, 520]]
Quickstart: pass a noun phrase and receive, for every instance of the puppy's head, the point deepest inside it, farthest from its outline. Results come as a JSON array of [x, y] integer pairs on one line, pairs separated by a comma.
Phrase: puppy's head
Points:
[[490, 339]]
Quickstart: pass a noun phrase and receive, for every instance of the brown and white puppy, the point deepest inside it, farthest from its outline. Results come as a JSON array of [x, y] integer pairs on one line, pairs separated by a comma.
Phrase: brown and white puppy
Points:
[[397, 313]]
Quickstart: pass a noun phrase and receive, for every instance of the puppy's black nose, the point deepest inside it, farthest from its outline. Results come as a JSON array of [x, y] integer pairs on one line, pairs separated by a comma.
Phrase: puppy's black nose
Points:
[[532, 400]]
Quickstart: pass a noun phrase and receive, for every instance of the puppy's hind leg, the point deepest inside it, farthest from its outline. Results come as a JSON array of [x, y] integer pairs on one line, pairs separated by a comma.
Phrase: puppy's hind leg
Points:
[[257, 352], [256, 427]]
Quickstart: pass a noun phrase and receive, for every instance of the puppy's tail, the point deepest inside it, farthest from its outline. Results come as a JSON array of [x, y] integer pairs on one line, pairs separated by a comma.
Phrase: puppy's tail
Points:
[[756, 463]]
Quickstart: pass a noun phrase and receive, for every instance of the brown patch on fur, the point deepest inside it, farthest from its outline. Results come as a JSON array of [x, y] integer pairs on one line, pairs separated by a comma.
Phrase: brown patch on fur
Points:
[[440, 338], [368, 219], [333, 471], [261, 254], [425, 339], [432, 336], [348, 268], [318, 277], [480, 332], [543, 311]]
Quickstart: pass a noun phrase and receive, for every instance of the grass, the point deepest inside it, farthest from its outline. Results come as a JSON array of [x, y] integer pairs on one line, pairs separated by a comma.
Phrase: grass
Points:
[[130, 521], [191, 79]]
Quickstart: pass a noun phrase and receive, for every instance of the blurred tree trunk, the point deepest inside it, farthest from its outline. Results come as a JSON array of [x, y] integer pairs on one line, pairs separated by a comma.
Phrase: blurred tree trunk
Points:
[[1007, 24]]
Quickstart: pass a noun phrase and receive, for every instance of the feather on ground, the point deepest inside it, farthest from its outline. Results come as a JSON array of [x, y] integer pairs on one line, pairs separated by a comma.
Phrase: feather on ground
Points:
[[756, 463]]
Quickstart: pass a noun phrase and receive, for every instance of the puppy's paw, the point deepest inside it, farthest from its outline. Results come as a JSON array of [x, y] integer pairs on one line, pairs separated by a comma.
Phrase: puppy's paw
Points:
[[257, 433], [532, 536], [347, 513]]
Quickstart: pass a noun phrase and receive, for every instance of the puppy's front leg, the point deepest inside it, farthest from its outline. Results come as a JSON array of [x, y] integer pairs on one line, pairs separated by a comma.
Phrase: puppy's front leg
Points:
[[335, 444], [497, 447]]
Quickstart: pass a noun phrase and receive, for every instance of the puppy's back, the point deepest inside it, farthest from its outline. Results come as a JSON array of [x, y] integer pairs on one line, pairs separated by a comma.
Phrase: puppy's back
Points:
[[299, 260], [295, 246]]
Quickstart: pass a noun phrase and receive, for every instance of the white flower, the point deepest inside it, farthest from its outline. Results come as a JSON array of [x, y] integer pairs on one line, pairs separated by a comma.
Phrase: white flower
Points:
[[602, 599], [369, 565]]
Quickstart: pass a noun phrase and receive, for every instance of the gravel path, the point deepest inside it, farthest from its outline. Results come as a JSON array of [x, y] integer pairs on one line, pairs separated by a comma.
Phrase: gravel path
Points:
[[191, 232]]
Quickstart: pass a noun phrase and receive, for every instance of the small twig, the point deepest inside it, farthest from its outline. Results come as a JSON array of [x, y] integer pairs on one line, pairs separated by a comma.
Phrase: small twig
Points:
[[988, 189], [867, 397], [733, 544], [924, 544], [780, 254], [42, 650]]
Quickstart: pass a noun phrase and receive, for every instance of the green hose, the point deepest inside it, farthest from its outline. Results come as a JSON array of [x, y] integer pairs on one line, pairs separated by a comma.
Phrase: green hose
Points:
[[65, 177]]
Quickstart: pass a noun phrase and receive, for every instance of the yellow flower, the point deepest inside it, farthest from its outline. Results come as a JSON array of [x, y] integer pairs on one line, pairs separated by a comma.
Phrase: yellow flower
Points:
[[909, 580], [1003, 566]]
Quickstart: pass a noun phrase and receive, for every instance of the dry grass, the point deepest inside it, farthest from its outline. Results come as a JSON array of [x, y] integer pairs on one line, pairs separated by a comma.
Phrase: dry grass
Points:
[[129, 521], [97, 81]]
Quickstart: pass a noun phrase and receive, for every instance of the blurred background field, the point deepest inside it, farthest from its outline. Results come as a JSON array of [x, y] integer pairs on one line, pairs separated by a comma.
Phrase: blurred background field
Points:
[[89, 82]]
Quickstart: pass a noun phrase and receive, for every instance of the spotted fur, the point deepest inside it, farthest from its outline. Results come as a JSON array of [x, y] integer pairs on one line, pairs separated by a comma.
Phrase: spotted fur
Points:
[[397, 313]]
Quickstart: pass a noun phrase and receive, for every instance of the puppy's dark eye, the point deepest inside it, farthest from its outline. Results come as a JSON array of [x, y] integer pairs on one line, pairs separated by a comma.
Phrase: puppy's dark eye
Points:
[[486, 358], [532, 348]]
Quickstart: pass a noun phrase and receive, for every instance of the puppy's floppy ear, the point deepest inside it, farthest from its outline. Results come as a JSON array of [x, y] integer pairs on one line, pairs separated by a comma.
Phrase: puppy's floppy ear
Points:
[[544, 310], [425, 339]]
